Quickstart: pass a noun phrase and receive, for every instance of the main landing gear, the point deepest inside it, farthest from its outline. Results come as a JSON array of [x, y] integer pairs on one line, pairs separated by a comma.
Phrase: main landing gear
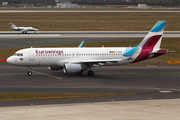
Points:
[[90, 73], [29, 72], [24, 32]]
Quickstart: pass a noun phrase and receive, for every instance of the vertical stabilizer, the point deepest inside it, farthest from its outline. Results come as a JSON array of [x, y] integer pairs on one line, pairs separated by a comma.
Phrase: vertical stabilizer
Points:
[[154, 37], [13, 26], [151, 43]]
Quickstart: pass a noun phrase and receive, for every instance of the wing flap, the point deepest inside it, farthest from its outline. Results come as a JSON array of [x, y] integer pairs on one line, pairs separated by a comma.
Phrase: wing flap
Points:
[[92, 61], [99, 61]]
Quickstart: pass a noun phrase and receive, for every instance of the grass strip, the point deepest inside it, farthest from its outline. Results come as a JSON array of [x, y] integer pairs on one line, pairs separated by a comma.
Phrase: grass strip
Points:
[[91, 21], [40, 96]]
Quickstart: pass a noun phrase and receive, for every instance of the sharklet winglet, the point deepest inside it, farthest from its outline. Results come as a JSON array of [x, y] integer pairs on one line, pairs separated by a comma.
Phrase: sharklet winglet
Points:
[[80, 46]]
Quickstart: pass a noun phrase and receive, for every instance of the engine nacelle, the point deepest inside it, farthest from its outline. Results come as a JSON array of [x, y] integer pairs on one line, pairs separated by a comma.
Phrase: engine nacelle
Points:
[[72, 68], [55, 68]]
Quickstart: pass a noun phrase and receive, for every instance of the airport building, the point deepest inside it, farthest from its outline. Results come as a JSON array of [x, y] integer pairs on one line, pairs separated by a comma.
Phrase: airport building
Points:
[[4, 3], [65, 4], [142, 6]]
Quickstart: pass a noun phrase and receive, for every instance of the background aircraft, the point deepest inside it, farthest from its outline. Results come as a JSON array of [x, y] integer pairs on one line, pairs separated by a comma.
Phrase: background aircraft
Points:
[[76, 60], [22, 29]]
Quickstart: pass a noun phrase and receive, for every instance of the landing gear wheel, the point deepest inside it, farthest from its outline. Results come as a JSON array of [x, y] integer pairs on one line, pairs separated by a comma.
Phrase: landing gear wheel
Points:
[[29, 73], [90, 73]]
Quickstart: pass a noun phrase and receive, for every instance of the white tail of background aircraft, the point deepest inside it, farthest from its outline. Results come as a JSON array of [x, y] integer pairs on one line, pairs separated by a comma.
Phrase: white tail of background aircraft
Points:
[[22, 29], [76, 60]]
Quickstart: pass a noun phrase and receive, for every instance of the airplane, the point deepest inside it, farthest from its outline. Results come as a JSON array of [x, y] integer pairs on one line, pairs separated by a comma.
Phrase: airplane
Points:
[[77, 60], [22, 29]]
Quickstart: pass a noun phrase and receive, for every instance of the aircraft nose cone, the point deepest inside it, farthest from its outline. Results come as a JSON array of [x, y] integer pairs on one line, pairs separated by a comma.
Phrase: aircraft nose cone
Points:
[[9, 60]]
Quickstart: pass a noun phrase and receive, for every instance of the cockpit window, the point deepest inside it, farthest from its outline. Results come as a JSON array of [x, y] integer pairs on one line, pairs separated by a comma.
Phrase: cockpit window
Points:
[[18, 54]]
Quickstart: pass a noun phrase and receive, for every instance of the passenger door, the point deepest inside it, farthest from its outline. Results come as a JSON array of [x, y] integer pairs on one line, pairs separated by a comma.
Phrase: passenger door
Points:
[[31, 55]]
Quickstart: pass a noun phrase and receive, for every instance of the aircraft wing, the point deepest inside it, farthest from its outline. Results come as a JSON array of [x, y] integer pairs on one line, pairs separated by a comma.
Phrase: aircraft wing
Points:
[[99, 61], [31, 29], [24, 30], [93, 61]]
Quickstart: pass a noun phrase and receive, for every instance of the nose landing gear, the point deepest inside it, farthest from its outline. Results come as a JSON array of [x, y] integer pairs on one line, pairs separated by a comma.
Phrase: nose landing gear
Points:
[[29, 72]]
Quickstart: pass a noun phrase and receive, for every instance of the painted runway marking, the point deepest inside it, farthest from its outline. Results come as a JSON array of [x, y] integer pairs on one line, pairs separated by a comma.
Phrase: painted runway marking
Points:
[[165, 91], [154, 74], [31, 35], [47, 75]]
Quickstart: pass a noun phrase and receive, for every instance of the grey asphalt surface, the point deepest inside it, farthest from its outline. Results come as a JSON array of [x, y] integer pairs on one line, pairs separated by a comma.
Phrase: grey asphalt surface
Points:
[[145, 81], [16, 39], [28, 42]]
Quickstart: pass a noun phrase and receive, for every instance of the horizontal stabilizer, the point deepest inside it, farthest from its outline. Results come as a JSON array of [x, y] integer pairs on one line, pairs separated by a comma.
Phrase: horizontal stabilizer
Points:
[[157, 52], [171, 51]]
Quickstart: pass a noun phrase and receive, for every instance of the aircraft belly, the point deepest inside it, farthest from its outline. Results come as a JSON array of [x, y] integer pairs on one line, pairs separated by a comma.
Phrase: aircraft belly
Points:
[[44, 61]]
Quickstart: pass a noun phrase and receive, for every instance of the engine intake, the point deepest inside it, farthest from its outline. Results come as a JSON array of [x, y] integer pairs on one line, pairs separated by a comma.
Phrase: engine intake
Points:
[[72, 68]]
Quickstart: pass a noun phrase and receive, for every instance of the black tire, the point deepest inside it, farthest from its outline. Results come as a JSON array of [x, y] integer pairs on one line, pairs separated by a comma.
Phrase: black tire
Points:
[[90, 73], [29, 73]]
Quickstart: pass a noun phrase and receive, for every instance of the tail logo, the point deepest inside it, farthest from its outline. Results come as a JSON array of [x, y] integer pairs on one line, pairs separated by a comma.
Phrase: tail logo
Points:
[[151, 42]]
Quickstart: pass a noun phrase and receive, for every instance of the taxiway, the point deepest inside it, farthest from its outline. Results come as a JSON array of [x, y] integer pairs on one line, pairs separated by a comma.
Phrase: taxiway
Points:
[[41, 38], [85, 34], [146, 81]]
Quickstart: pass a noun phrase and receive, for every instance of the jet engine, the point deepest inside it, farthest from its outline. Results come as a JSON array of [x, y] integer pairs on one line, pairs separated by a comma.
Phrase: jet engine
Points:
[[55, 68], [72, 68]]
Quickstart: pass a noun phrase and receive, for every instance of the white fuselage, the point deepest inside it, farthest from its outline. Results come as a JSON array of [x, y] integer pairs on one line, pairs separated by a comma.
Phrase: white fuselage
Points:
[[25, 29], [32, 57]]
